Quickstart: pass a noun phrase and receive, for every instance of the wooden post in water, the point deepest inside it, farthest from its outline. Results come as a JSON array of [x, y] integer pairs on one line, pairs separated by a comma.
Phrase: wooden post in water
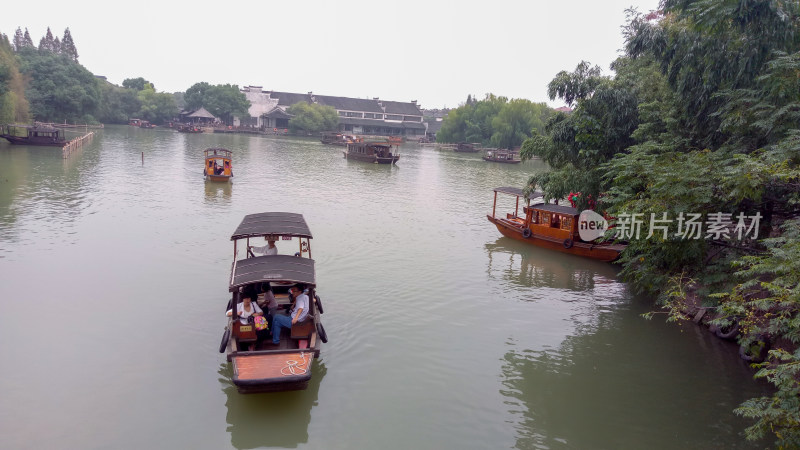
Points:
[[142, 158]]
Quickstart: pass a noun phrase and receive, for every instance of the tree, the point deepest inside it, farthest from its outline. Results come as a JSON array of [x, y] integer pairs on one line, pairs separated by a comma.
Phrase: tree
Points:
[[56, 45], [224, 101], [156, 107], [13, 104], [68, 46], [60, 89], [47, 42], [28, 41], [137, 84], [312, 118], [19, 39], [117, 104]]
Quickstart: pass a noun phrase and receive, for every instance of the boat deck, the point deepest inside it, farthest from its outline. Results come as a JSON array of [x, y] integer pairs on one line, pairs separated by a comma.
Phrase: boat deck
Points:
[[259, 367]]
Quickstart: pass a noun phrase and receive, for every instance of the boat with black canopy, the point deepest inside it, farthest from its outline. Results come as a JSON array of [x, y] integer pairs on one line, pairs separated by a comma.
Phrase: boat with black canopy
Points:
[[33, 135], [260, 365]]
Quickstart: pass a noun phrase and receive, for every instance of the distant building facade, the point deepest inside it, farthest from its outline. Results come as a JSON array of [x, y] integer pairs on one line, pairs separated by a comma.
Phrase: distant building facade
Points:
[[356, 116]]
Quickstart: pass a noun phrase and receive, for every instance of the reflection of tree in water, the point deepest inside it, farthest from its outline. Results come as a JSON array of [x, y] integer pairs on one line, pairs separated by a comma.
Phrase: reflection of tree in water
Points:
[[627, 383], [278, 419], [530, 266]]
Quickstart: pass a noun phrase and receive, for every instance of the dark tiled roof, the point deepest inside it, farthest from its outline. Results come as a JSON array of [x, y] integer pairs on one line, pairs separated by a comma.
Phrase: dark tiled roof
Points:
[[414, 125], [369, 122], [435, 126], [289, 98], [405, 108], [349, 104], [277, 113]]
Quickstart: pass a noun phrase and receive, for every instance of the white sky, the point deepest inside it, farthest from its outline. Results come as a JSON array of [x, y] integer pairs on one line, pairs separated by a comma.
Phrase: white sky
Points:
[[435, 52]]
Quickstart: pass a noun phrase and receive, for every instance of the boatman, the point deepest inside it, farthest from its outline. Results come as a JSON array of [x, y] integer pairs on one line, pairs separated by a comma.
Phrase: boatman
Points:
[[267, 250]]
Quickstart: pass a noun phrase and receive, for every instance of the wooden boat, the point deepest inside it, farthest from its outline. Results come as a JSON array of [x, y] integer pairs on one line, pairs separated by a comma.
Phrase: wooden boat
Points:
[[185, 128], [33, 135], [218, 166], [378, 152], [396, 140], [549, 226], [337, 139], [263, 366], [502, 156], [463, 147]]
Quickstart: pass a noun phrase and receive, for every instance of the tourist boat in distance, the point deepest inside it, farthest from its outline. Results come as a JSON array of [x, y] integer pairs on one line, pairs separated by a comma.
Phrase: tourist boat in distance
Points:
[[396, 140], [218, 166], [141, 123], [463, 147], [33, 135], [188, 128], [261, 366], [337, 139], [549, 226], [501, 155], [378, 152]]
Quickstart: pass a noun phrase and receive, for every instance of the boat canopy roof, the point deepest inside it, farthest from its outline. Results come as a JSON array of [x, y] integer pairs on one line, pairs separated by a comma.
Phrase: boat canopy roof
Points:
[[558, 209], [276, 223], [287, 268], [218, 153], [517, 191]]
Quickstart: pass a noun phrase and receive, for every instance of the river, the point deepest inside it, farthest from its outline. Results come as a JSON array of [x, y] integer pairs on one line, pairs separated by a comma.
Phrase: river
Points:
[[114, 265]]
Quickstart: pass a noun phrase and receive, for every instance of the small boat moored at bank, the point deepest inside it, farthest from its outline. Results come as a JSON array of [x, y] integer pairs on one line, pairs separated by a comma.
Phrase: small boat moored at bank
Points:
[[337, 139], [549, 226], [501, 155], [378, 152], [33, 135], [464, 147], [218, 165], [258, 364]]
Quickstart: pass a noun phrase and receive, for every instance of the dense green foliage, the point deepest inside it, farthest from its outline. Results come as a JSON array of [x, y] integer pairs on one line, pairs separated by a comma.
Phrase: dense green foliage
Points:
[[137, 84], [312, 118], [156, 107], [59, 89], [494, 121], [222, 100], [701, 117], [13, 104], [118, 104]]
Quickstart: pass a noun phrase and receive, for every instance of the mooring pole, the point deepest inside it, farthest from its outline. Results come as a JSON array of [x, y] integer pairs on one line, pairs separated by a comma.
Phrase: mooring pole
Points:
[[142, 158]]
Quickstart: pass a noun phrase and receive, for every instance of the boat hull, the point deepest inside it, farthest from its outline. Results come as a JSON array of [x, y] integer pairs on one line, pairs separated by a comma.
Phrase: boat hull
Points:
[[371, 158], [255, 372], [504, 161], [217, 178], [20, 140], [603, 252]]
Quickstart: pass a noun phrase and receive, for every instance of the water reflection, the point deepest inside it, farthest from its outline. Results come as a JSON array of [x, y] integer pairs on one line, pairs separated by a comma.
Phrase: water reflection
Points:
[[218, 193], [593, 391], [530, 266], [278, 419]]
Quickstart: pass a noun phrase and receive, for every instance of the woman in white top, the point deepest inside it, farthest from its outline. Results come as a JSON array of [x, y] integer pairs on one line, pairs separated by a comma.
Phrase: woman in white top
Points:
[[246, 309]]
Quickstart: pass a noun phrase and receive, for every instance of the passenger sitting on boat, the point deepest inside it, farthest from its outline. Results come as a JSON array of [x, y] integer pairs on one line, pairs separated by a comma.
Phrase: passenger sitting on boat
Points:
[[247, 309], [298, 314], [270, 303], [267, 250]]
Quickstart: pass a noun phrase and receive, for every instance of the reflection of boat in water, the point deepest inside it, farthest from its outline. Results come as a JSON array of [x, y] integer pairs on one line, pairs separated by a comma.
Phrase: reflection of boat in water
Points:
[[218, 193], [218, 165], [33, 135], [529, 266], [372, 151], [549, 226], [259, 365], [281, 424]]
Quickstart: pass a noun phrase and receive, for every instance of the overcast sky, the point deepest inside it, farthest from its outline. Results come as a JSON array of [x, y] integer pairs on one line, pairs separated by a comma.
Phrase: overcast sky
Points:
[[435, 52]]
